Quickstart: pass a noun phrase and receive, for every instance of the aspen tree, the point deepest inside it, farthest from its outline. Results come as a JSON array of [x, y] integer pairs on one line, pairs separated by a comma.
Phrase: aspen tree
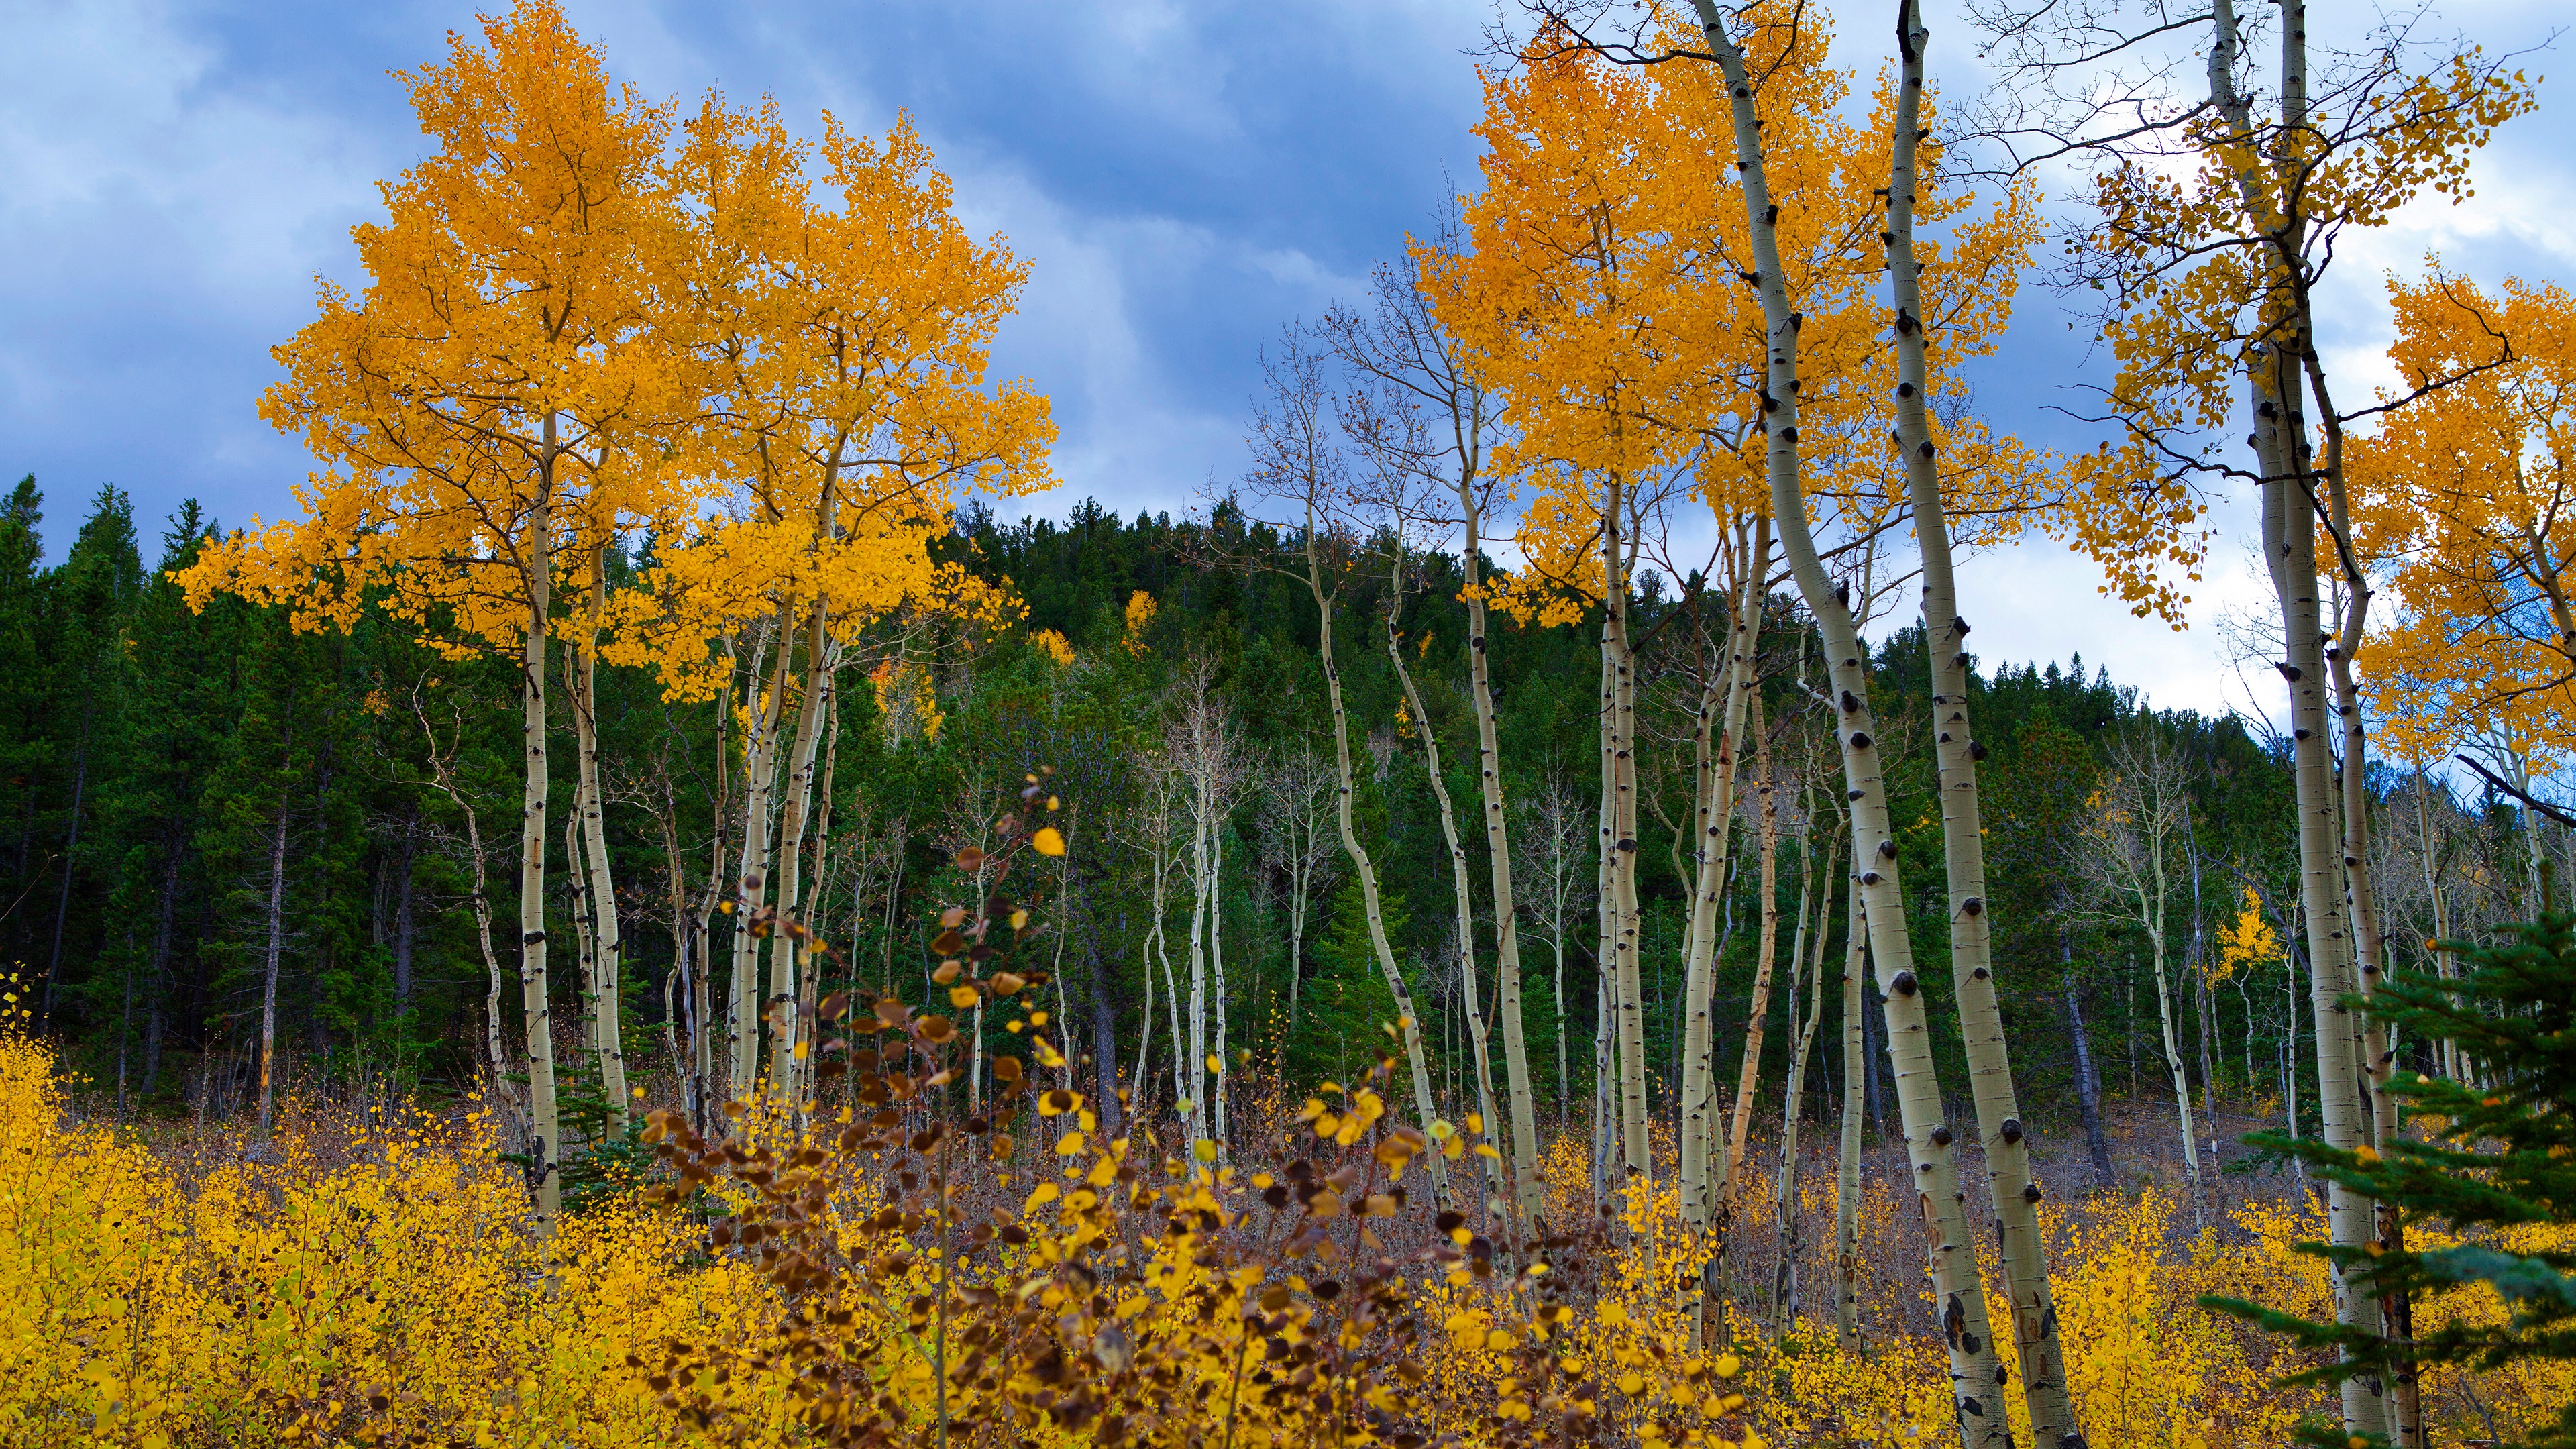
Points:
[[1296, 816], [1977, 1378], [1847, 1148], [1807, 975], [1296, 463], [2000, 1133], [1425, 370], [1757, 1015], [507, 372], [1470, 994], [849, 340], [1717, 759], [2124, 851]]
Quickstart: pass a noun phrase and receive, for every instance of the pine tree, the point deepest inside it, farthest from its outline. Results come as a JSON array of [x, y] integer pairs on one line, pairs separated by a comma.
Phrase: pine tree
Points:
[[2497, 1154]]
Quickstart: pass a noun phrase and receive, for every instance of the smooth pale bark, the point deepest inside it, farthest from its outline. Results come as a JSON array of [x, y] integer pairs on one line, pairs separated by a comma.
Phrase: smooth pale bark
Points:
[[1528, 1194], [2013, 1196], [787, 1048], [1216, 970], [2289, 546], [1605, 953], [607, 944], [1464, 901], [1159, 852], [1716, 761], [1847, 1151], [1791, 1227], [274, 954], [544, 1133], [1619, 836], [2290, 541], [1410, 1025], [1977, 1376], [1190, 1075], [760, 768], [587, 963], [443, 775], [1757, 1016]]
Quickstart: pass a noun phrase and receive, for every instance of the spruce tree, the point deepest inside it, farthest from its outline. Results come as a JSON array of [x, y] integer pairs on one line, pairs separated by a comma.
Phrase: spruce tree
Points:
[[2495, 1158]]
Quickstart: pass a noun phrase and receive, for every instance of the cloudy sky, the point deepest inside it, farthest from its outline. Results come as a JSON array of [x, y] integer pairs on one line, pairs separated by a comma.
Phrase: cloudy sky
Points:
[[1185, 176]]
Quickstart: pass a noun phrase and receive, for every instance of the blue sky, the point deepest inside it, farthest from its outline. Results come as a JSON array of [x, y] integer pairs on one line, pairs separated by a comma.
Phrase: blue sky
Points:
[[1185, 176]]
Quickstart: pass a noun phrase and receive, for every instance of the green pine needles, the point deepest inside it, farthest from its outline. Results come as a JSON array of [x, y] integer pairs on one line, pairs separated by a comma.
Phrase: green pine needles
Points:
[[2494, 1153]]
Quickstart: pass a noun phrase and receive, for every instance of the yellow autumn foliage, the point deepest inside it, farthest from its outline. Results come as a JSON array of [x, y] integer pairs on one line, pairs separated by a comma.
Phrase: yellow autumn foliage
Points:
[[376, 1283]]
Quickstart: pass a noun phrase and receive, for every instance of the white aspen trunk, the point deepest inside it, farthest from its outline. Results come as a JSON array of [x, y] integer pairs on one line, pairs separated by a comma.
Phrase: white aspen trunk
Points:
[[544, 1134], [1620, 838], [1977, 1376], [1604, 1091], [2290, 539], [2289, 536], [1470, 993], [1714, 822], [1522, 1144], [1216, 973], [2174, 1069], [1191, 1080], [1605, 952], [1410, 1023], [580, 912], [760, 766], [607, 945], [1160, 854], [2013, 1195], [1757, 1017], [788, 1049], [271, 960], [1847, 1152], [1791, 1229]]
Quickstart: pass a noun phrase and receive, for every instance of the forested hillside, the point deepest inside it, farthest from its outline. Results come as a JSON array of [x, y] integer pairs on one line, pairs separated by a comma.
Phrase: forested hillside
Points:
[[218, 818], [641, 909]]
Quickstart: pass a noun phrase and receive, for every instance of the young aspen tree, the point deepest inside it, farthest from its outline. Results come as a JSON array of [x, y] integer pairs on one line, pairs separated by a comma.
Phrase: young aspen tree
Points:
[[1977, 1378], [1425, 372], [1297, 463], [2125, 853], [509, 372], [849, 339], [1471, 995], [2209, 269], [2000, 1134]]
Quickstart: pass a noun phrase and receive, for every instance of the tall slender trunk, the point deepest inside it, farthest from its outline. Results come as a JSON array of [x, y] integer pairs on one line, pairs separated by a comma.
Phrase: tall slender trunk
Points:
[[1190, 1078], [1718, 750], [1216, 969], [1411, 1021], [2174, 1071], [607, 942], [1757, 1016], [1619, 835], [1976, 1375], [2289, 538], [760, 764], [1847, 1154], [2088, 1077], [276, 932], [1506, 1185], [1792, 1239], [544, 1130], [1527, 1192], [787, 950], [2011, 1192]]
